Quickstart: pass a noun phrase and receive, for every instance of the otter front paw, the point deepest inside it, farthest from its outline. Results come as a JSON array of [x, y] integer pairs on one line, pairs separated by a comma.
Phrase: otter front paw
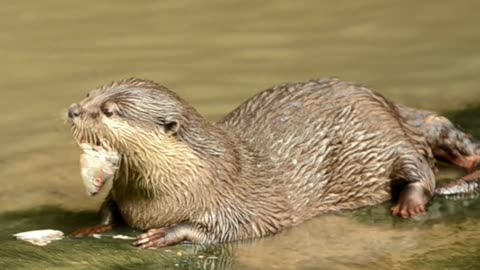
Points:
[[157, 238], [90, 231], [412, 202]]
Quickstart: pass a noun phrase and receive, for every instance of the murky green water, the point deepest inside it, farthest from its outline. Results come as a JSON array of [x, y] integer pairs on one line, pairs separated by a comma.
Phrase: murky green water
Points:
[[216, 54]]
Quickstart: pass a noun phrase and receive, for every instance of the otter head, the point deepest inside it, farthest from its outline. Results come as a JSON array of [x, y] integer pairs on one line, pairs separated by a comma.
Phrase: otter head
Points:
[[142, 121]]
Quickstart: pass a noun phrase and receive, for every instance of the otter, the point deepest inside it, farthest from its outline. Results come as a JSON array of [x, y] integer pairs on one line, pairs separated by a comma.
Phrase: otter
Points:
[[287, 154]]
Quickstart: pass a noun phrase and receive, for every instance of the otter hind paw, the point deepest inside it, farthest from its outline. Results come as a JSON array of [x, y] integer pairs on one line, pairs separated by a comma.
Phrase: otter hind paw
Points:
[[406, 211], [412, 202]]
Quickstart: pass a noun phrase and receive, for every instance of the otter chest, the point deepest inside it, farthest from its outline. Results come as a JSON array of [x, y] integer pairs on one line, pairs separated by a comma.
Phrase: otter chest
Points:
[[145, 213]]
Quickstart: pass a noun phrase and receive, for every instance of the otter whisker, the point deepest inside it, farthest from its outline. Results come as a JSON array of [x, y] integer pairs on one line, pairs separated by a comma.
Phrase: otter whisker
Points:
[[127, 175]]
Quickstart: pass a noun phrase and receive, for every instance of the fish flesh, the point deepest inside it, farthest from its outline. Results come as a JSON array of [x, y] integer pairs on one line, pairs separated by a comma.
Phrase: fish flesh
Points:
[[40, 237], [97, 166]]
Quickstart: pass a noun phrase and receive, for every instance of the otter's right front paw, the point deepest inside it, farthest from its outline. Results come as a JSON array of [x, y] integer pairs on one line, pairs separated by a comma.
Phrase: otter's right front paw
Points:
[[90, 231]]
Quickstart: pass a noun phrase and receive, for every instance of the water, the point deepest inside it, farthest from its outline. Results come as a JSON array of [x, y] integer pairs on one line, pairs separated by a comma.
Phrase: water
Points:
[[215, 54]]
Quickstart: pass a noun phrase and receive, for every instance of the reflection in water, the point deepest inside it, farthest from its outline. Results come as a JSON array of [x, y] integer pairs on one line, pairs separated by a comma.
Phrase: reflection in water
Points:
[[216, 54]]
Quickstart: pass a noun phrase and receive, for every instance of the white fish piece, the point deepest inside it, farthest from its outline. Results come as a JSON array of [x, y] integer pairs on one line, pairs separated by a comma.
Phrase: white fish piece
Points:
[[123, 237], [40, 237], [97, 167]]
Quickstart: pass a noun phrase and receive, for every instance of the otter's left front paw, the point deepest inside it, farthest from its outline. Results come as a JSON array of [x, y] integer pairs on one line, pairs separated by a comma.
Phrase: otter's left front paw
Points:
[[90, 231], [157, 238]]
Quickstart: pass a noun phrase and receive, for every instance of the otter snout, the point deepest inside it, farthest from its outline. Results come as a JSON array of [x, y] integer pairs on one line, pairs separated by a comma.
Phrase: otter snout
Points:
[[74, 111]]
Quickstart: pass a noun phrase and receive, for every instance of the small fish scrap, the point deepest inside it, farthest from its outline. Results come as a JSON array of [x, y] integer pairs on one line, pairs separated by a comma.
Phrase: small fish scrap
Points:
[[40, 237], [98, 166]]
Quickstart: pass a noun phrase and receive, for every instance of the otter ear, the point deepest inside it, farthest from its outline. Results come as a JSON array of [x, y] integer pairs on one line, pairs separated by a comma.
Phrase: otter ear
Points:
[[172, 127]]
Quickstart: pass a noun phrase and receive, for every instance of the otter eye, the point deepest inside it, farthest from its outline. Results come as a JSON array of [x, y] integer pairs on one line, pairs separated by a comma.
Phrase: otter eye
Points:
[[108, 112], [108, 109]]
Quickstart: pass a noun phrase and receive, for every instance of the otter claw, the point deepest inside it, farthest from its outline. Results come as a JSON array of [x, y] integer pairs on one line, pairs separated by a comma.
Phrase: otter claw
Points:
[[152, 239]]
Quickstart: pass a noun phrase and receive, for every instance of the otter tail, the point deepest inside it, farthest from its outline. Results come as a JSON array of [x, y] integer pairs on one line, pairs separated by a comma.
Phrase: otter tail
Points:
[[467, 185]]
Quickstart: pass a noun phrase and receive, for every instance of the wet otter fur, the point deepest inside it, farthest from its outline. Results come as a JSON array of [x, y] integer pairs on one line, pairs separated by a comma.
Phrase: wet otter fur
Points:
[[285, 155]]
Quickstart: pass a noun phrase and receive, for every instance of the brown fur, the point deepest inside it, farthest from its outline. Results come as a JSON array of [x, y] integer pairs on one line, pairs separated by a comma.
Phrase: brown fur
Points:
[[285, 155]]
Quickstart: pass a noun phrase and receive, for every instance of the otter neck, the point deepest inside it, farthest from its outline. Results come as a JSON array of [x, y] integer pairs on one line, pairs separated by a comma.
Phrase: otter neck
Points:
[[201, 156]]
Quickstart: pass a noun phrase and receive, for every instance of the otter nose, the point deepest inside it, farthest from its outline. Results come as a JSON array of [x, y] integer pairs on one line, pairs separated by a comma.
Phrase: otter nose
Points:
[[74, 111]]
